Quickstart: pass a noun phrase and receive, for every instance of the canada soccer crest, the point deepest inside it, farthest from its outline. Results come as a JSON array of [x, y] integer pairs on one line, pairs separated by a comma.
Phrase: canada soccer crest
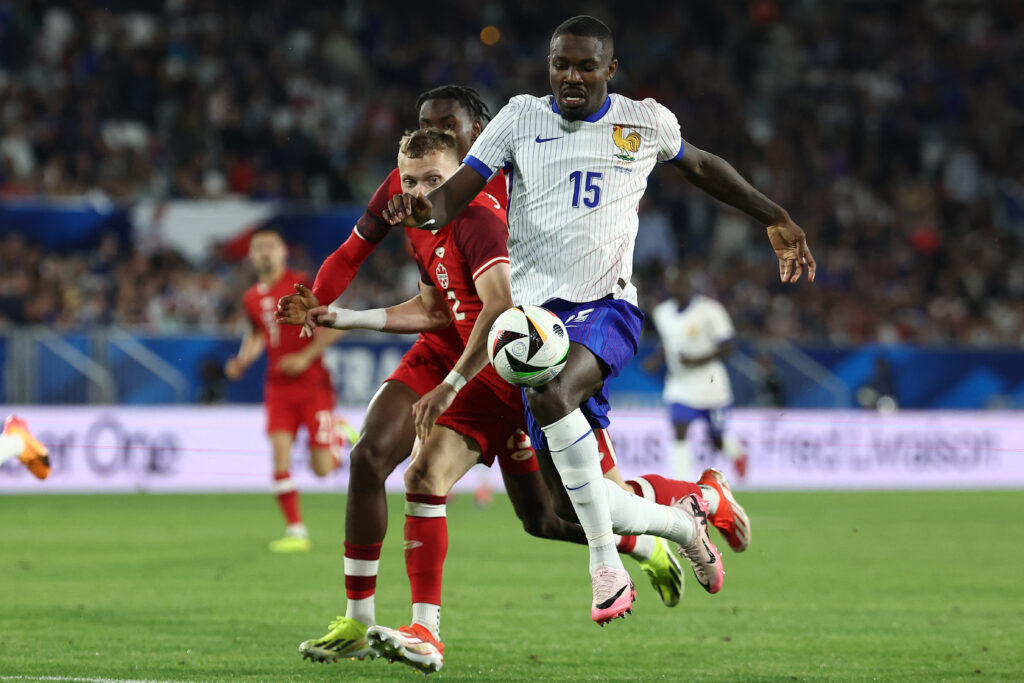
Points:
[[442, 275]]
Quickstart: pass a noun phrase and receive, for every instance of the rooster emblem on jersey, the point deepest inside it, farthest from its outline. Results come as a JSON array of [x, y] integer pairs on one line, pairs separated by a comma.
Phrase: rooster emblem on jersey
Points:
[[628, 144]]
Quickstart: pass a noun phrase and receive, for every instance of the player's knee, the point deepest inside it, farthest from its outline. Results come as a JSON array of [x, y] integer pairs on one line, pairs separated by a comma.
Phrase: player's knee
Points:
[[545, 524], [549, 403], [419, 479], [323, 463], [367, 464]]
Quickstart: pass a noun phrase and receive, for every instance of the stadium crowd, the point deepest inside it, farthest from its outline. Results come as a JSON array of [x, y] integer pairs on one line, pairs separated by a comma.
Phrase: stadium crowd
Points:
[[887, 128]]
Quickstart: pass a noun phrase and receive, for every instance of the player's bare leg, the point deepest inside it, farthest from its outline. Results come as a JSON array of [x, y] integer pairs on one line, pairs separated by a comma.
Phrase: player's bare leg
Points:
[[534, 506], [296, 537], [386, 440], [437, 464], [323, 460]]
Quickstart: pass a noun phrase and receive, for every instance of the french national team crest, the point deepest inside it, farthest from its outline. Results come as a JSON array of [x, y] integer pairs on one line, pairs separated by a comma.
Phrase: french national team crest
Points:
[[628, 144]]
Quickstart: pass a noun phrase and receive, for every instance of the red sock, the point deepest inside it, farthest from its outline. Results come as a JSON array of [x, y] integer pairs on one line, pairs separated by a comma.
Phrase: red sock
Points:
[[426, 545], [287, 497], [626, 544], [661, 490], [361, 561]]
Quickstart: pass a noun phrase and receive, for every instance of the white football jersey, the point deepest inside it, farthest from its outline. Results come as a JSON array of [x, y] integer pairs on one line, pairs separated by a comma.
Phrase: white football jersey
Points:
[[574, 188], [691, 332]]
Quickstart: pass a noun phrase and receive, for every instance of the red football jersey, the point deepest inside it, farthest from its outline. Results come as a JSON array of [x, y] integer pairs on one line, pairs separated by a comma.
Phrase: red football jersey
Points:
[[452, 258], [260, 302]]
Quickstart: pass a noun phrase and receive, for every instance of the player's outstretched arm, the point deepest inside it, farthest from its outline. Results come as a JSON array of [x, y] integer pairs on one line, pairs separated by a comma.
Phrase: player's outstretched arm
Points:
[[422, 313], [438, 207], [719, 179], [495, 292]]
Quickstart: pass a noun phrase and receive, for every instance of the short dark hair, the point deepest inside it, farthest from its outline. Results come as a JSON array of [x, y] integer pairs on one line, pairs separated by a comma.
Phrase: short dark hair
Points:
[[468, 97], [585, 26], [267, 232], [421, 142]]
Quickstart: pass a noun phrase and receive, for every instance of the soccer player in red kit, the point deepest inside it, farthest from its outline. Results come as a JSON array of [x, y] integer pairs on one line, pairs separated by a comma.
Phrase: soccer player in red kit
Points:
[[297, 390], [465, 283]]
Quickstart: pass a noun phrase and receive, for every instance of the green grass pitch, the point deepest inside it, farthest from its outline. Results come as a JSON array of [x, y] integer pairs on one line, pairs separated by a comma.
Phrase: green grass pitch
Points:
[[835, 586]]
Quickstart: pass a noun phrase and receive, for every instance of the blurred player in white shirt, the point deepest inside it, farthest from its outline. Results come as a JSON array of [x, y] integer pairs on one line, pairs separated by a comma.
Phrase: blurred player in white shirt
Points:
[[696, 334]]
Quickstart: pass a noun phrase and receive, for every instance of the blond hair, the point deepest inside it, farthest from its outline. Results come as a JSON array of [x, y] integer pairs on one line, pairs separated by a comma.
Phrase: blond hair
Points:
[[419, 143]]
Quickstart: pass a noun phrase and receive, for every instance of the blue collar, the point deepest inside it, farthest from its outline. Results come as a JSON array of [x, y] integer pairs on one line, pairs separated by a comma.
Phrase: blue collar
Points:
[[596, 116]]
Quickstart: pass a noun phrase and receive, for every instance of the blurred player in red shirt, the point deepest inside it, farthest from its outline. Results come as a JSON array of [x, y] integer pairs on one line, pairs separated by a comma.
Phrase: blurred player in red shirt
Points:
[[297, 390]]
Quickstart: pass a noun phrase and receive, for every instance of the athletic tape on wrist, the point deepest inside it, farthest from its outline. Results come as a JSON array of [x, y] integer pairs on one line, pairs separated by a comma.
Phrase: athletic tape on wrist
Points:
[[345, 319], [455, 380]]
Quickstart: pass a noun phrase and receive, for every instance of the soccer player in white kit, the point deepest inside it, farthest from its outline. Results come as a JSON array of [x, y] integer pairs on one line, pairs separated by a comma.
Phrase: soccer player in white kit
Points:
[[696, 334], [578, 162]]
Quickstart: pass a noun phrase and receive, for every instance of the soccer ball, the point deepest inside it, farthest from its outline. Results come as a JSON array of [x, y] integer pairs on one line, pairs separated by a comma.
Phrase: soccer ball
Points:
[[528, 345]]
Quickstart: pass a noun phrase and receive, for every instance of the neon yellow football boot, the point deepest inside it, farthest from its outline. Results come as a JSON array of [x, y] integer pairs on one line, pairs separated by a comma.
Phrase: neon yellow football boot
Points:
[[665, 574], [346, 639], [291, 544]]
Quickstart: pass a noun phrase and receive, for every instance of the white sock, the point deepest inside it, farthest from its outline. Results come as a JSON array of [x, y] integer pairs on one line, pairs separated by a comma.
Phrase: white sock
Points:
[[632, 514], [644, 548], [428, 616], [575, 455], [11, 445], [298, 529], [710, 494], [731, 447], [361, 610], [682, 459]]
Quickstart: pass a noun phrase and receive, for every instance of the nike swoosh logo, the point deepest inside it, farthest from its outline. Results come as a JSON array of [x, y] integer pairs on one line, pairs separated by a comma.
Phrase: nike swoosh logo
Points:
[[711, 555], [540, 139], [610, 601], [576, 488]]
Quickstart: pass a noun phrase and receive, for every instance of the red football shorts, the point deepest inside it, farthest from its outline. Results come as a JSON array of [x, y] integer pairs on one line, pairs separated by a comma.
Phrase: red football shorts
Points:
[[422, 368], [492, 414], [313, 407]]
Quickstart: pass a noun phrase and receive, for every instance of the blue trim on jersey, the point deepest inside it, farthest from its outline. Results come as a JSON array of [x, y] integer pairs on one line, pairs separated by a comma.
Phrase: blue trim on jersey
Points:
[[596, 116], [511, 181], [679, 155], [478, 166]]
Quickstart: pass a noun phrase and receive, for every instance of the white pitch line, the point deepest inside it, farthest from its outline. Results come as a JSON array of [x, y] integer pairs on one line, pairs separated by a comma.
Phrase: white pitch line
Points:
[[76, 679]]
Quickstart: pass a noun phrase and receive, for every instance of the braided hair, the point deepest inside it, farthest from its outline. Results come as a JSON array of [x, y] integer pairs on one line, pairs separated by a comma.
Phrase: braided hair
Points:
[[468, 97]]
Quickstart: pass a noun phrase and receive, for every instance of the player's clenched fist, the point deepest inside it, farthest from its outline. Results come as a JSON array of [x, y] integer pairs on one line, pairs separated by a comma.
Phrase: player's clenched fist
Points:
[[407, 209], [323, 316], [294, 309]]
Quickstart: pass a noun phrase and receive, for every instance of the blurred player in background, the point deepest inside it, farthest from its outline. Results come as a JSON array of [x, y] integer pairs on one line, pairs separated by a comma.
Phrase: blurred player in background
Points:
[[297, 390], [17, 441], [696, 334]]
